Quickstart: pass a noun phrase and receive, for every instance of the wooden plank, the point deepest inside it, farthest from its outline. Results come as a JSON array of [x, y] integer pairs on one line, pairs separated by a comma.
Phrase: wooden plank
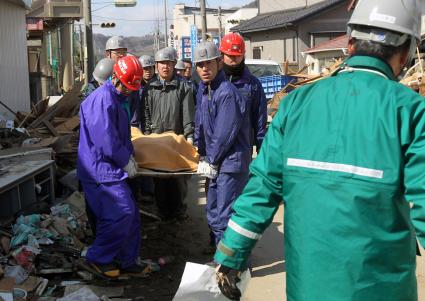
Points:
[[66, 103], [51, 128], [69, 125]]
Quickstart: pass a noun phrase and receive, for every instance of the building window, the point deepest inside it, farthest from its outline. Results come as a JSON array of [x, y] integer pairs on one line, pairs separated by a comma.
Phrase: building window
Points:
[[256, 53]]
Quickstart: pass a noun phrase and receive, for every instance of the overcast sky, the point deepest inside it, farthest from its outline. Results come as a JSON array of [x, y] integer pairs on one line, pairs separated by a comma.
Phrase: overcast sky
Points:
[[141, 19]]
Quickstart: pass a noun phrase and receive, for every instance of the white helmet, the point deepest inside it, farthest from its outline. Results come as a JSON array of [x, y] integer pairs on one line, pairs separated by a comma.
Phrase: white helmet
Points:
[[146, 61], [388, 22], [103, 70], [180, 65], [115, 42], [205, 51], [166, 54]]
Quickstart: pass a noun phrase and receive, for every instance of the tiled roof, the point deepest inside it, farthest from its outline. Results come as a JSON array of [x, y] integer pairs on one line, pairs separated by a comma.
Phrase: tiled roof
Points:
[[337, 43], [283, 18]]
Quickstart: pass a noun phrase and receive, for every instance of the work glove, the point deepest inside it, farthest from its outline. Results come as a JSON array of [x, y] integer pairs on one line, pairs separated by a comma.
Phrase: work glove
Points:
[[210, 171], [201, 167], [227, 279], [131, 167]]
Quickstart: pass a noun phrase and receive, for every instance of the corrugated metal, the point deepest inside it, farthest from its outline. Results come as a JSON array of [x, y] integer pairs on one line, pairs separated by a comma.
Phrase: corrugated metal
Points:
[[14, 78]]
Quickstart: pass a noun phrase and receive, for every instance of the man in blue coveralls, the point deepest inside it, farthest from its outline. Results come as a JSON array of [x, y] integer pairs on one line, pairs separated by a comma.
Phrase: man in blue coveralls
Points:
[[105, 161], [222, 134]]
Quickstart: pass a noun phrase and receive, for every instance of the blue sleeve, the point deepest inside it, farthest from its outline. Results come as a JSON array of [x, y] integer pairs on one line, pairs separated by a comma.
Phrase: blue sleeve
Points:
[[227, 124], [259, 113], [199, 138], [106, 138]]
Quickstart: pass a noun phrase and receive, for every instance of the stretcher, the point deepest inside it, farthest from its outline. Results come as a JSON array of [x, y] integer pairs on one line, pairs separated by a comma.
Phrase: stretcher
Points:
[[163, 174]]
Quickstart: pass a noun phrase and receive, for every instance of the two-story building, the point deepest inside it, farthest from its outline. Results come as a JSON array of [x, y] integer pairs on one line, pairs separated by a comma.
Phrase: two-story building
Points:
[[284, 29]]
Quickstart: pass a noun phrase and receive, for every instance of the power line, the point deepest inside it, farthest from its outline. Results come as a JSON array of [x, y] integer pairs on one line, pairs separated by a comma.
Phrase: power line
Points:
[[135, 20], [93, 10]]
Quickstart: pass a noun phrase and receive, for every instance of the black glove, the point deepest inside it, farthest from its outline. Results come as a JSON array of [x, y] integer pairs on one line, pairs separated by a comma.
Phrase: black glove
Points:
[[227, 279]]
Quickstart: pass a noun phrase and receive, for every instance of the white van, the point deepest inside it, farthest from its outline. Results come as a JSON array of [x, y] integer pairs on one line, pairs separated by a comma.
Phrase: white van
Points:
[[260, 68]]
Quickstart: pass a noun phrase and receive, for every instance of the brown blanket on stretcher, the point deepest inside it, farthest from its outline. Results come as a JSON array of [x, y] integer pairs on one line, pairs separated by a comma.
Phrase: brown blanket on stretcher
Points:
[[164, 152]]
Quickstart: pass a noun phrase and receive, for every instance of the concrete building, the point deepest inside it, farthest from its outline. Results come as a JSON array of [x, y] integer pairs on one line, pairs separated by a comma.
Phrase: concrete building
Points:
[[239, 16], [186, 16], [325, 54], [281, 35], [50, 46], [14, 82]]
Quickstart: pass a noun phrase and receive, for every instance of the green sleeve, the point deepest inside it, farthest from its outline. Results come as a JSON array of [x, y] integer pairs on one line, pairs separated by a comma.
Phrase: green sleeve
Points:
[[255, 208], [413, 141]]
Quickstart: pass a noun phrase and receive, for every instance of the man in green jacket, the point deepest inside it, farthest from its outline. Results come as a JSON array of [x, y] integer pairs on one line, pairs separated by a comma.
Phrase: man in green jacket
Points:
[[347, 157]]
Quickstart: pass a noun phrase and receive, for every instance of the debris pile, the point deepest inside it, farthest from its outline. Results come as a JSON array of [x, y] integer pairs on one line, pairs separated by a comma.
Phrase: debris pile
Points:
[[55, 126]]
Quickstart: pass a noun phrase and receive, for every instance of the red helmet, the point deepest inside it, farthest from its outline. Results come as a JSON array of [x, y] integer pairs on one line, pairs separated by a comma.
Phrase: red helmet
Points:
[[232, 44], [129, 71]]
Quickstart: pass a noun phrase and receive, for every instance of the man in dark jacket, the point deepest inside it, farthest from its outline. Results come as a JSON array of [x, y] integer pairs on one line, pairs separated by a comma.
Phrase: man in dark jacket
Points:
[[169, 106], [232, 48], [222, 135]]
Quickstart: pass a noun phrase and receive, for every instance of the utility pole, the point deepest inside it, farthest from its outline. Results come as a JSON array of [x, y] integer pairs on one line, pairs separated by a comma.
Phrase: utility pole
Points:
[[88, 42], [165, 22], [81, 50], [219, 24], [203, 20]]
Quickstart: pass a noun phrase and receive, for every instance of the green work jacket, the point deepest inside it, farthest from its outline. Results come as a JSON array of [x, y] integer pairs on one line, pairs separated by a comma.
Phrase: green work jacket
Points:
[[347, 157]]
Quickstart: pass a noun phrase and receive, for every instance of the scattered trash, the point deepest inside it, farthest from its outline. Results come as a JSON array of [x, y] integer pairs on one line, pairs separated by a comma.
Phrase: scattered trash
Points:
[[6, 296], [30, 284], [17, 272], [41, 288], [165, 260], [23, 257], [70, 282], [199, 283], [85, 275], [50, 291], [153, 266], [108, 291], [19, 293]]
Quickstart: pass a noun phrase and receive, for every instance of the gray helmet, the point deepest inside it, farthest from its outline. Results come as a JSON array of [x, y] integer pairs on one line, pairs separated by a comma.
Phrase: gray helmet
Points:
[[103, 70], [115, 42], [205, 51], [180, 65], [390, 22], [166, 54], [146, 61]]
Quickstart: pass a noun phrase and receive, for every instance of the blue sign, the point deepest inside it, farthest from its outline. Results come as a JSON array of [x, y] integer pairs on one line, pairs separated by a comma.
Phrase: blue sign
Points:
[[193, 39], [216, 41], [186, 48]]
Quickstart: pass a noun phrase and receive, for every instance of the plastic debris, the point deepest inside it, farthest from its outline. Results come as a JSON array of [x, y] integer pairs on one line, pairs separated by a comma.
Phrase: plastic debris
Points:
[[17, 272], [24, 257], [153, 266], [165, 260]]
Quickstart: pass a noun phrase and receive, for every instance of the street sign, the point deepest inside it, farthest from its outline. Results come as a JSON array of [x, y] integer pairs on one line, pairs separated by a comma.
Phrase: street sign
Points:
[[193, 39], [186, 47], [216, 41]]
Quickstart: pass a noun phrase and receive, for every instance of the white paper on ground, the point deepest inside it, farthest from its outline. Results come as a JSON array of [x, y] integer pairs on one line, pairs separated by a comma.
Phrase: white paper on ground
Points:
[[199, 284]]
